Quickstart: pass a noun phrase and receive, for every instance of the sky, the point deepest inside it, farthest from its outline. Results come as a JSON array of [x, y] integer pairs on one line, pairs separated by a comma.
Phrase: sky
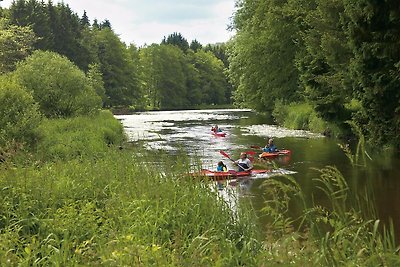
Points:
[[148, 21]]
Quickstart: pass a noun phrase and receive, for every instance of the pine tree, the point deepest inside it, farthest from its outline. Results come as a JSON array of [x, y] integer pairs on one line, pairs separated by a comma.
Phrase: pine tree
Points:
[[178, 40], [85, 19]]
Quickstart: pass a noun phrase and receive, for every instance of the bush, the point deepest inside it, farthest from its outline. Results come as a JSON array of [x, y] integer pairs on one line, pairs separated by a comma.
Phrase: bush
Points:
[[299, 116], [60, 88], [19, 115], [81, 136]]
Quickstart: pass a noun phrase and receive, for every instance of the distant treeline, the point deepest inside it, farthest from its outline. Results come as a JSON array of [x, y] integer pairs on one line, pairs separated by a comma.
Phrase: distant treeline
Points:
[[340, 57], [172, 74]]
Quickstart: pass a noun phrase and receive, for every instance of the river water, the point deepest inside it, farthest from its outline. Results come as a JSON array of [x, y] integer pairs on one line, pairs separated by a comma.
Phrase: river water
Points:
[[189, 130]]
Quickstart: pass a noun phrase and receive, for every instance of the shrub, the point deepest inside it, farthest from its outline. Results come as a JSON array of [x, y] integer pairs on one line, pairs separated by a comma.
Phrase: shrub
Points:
[[60, 88], [19, 115], [299, 116], [79, 136]]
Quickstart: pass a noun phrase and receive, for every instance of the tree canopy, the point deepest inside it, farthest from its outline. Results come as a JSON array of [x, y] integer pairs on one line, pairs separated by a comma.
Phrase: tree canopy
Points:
[[341, 56]]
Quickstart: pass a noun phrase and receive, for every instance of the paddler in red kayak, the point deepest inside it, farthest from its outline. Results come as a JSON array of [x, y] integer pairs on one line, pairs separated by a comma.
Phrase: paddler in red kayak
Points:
[[216, 129], [270, 147], [221, 167], [244, 163]]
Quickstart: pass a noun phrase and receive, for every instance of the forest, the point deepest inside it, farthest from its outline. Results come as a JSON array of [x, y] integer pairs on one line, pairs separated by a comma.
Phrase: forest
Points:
[[332, 63], [326, 66], [170, 75]]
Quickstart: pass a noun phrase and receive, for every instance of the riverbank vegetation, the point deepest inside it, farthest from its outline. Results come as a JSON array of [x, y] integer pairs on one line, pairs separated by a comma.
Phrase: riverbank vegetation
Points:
[[340, 58]]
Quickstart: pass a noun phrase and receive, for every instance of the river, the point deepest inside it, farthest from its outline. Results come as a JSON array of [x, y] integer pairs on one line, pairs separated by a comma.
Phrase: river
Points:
[[190, 130]]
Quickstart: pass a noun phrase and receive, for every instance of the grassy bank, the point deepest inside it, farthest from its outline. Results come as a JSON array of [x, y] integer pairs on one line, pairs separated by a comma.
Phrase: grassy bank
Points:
[[117, 210], [301, 116]]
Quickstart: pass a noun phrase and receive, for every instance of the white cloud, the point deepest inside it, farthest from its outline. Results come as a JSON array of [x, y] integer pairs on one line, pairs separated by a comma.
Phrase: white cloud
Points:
[[140, 22]]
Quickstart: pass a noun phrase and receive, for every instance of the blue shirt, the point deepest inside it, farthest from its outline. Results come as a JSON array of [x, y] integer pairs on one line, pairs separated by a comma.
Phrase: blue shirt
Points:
[[221, 168], [270, 149]]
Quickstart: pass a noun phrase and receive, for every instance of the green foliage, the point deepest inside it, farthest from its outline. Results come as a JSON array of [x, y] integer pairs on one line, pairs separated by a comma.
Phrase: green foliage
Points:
[[117, 66], [176, 39], [324, 61], [220, 51], [107, 212], [33, 13], [262, 53], [298, 116], [323, 52], [195, 45], [60, 88], [96, 81], [19, 114], [58, 28], [339, 235], [78, 137], [173, 79], [373, 30], [16, 43], [164, 76], [213, 84]]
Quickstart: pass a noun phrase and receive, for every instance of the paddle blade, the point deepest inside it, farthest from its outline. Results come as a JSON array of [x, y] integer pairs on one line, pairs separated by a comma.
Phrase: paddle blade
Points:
[[256, 147], [223, 153]]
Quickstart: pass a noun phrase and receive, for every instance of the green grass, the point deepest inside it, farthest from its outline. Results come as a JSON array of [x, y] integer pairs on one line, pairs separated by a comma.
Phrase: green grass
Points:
[[117, 210], [64, 139], [343, 233], [301, 116]]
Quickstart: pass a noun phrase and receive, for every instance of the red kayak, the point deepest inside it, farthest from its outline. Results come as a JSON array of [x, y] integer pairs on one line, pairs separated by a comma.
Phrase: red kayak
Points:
[[216, 175], [275, 154], [219, 134]]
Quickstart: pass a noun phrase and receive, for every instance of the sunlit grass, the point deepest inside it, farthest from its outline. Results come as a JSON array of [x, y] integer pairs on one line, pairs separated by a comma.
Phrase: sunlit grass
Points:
[[343, 233], [117, 210]]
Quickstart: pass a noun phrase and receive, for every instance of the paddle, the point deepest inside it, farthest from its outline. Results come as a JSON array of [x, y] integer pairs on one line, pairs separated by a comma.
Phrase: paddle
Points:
[[256, 147], [223, 153]]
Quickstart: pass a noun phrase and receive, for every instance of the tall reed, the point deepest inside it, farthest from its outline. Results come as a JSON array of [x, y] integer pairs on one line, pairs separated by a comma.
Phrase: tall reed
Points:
[[118, 209], [342, 232]]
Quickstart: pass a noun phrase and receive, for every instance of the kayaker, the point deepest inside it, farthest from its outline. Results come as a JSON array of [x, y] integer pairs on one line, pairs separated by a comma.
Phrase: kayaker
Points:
[[270, 147], [216, 129], [244, 163], [221, 167]]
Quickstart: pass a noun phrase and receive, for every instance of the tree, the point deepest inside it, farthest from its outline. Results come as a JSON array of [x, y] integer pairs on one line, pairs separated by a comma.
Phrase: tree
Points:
[[213, 83], [164, 76], [262, 54], [60, 88], [195, 45], [34, 14], [219, 51], [85, 20], [96, 81], [16, 43], [106, 24], [323, 63], [373, 32], [120, 80], [178, 40]]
